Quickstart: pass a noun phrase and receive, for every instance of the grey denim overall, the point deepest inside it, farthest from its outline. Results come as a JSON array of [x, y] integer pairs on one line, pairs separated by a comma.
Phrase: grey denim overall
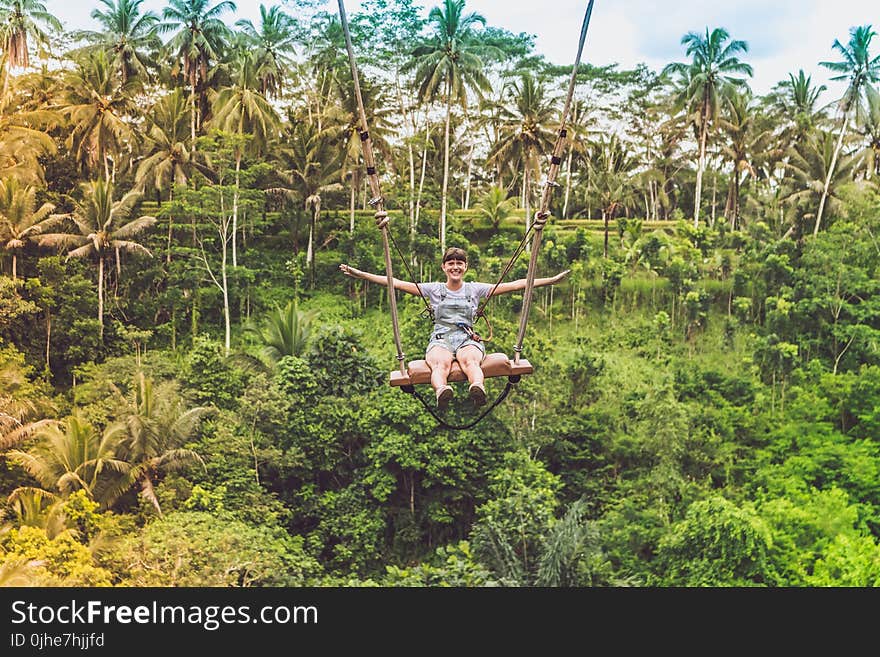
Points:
[[455, 308]]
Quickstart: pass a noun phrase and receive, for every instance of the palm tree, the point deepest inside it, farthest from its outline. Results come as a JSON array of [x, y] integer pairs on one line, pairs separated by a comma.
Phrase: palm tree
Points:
[[276, 37], [71, 456], [35, 507], [611, 166], [102, 229], [799, 104], [811, 173], [20, 19], [495, 206], [98, 108], [170, 160], [704, 80], [860, 69], [285, 331], [24, 127], [20, 219], [871, 131], [153, 426], [449, 65], [199, 38], [128, 36], [746, 146], [525, 132], [378, 115], [242, 110], [19, 408], [315, 161]]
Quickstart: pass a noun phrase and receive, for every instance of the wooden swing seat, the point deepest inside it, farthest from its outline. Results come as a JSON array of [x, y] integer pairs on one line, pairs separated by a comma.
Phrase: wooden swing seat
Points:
[[497, 364]]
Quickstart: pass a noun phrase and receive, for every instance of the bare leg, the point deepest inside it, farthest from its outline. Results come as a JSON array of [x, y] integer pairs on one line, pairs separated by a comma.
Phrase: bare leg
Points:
[[469, 359], [440, 362]]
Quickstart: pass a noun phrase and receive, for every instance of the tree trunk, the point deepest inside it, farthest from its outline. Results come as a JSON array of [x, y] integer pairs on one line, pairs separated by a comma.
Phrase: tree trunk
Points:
[[352, 200], [422, 175], [830, 172], [235, 210], [101, 297], [170, 223], [567, 184], [14, 258], [445, 168], [704, 131]]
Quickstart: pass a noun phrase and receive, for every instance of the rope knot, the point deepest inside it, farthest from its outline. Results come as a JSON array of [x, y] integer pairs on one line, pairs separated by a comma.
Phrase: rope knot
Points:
[[541, 219], [381, 219]]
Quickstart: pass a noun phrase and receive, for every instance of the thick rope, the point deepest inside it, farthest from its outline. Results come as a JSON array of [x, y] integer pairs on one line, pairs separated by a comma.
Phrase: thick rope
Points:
[[378, 202], [542, 214], [458, 427]]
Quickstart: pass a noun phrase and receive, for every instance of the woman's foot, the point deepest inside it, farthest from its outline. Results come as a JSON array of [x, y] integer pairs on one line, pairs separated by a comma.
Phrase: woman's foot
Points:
[[477, 394], [444, 394]]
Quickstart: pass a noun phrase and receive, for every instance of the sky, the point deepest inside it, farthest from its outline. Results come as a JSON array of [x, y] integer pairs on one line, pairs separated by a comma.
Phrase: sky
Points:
[[783, 36]]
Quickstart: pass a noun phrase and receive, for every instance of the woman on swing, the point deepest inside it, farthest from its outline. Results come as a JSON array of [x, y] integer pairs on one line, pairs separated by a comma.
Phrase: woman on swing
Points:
[[455, 304]]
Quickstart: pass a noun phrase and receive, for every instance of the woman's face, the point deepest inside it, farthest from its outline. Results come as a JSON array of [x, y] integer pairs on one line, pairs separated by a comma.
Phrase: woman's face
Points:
[[454, 269]]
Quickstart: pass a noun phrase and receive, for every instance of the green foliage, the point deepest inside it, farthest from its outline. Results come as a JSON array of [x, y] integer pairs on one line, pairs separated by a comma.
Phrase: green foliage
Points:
[[52, 562], [717, 544], [341, 363], [212, 378], [453, 565], [200, 549], [511, 527]]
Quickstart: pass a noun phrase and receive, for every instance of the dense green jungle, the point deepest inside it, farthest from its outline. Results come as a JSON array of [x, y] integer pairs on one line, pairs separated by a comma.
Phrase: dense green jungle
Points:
[[192, 393]]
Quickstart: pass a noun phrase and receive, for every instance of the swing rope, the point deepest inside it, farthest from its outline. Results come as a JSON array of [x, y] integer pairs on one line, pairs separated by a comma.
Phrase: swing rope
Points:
[[377, 202], [511, 380], [543, 213]]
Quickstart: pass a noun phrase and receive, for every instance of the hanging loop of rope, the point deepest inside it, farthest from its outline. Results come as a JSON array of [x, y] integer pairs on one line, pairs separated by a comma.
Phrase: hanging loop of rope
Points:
[[543, 213], [378, 202], [511, 380]]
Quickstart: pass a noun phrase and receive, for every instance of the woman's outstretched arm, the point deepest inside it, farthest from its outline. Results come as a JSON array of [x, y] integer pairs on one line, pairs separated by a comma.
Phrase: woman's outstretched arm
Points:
[[520, 284], [405, 286]]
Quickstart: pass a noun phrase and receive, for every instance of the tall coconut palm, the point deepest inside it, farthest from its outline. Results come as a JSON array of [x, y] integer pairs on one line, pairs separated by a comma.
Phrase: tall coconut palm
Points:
[[20, 19], [153, 425], [242, 110], [99, 108], [274, 40], [20, 218], [810, 166], [24, 127], [199, 38], [170, 159], [611, 180], [860, 70], [102, 228], [128, 36], [314, 163], [799, 104], [378, 119], [746, 146], [448, 65], [71, 456], [871, 131], [704, 79], [526, 132]]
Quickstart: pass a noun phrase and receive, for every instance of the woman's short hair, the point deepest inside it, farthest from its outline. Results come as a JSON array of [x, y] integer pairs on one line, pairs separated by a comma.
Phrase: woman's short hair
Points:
[[455, 253]]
